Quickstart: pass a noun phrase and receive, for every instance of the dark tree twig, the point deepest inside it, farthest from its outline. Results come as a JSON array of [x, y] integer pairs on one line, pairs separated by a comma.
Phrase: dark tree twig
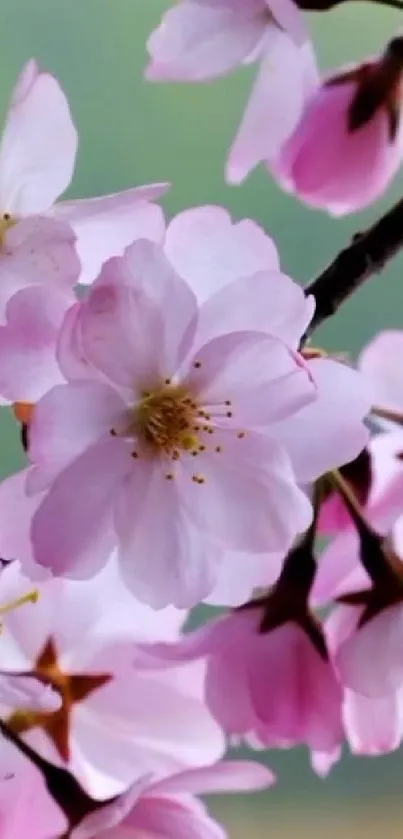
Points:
[[368, 254]]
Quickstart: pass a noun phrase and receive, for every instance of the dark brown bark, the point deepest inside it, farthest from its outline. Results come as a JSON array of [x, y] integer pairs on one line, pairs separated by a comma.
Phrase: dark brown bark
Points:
[[367, 255]]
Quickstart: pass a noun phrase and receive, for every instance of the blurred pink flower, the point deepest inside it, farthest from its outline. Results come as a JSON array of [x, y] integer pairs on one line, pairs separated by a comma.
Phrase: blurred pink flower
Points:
[[283, 688], [198, 40], [348, 143], [109, 730], [169, 809], [37, 156]]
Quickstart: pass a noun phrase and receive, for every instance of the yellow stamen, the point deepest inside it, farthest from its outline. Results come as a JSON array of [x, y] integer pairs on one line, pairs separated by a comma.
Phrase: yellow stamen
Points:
[[6, 222], [31, 597]]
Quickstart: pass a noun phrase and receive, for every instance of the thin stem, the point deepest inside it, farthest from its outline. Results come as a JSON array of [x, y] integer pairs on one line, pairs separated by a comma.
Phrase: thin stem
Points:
[[367, 255], [372, 553], [387, 414]]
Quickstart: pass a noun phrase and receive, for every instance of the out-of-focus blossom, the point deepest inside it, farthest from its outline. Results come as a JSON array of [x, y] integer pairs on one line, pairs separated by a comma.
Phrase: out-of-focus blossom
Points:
[[37, 157], [109, 730], [169, 809], [198, 40], [283, 688], [348, 143]]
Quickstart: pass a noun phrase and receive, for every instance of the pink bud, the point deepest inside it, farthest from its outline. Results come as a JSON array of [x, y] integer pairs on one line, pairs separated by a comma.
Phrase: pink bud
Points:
[[348, 144]]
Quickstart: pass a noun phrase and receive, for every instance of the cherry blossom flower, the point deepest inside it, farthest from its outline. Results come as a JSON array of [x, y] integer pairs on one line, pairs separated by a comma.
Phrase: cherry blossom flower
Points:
[[109, 728], [348, 143], [161, 415], [169, 808], [37, 156], [199, 40], [283, 688]]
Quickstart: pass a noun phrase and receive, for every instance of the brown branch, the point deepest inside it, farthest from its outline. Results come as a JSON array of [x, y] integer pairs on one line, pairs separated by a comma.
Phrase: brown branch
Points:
[[368, 254]]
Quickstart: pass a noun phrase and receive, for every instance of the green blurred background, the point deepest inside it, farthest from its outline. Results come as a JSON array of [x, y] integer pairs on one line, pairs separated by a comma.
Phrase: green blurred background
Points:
[[134, 133]]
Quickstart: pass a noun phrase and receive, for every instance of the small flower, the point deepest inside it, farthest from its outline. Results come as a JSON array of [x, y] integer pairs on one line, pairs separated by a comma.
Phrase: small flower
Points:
[[348, 143]]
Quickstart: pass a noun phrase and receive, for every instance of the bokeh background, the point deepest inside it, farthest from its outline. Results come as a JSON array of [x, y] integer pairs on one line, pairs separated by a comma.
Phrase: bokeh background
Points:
[[133, 133]]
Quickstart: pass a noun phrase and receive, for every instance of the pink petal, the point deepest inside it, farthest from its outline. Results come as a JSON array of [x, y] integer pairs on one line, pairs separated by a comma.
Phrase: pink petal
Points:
[[262, 379], [170, 818], [249, 499], [275, 105], [266, 302], [164, 558], [379, 362], [37, 251], [112, 814], [370, 661], [239, 574], [71, 528], [39, 145], [28, 365], [198, 41], [296, 695], [66, 421], [289, 17], [132, 301], [339, 570], [16, 511], [209, 251], [25, 692], [329, 431], [226, 776], [372, 726], [105, 226]]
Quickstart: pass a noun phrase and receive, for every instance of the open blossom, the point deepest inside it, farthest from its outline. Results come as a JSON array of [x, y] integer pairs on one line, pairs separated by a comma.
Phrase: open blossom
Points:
[[348, 143], [283, 689], [198, 40], [178, 421], [37, 156], [109, 729]]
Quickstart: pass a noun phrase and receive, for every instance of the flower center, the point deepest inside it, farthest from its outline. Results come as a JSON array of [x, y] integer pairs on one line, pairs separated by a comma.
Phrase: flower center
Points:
[[166, 419], [6, 222]]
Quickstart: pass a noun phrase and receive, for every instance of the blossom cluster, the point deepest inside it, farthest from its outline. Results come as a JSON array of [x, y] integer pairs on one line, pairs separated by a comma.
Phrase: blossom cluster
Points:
[[186, 444]]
